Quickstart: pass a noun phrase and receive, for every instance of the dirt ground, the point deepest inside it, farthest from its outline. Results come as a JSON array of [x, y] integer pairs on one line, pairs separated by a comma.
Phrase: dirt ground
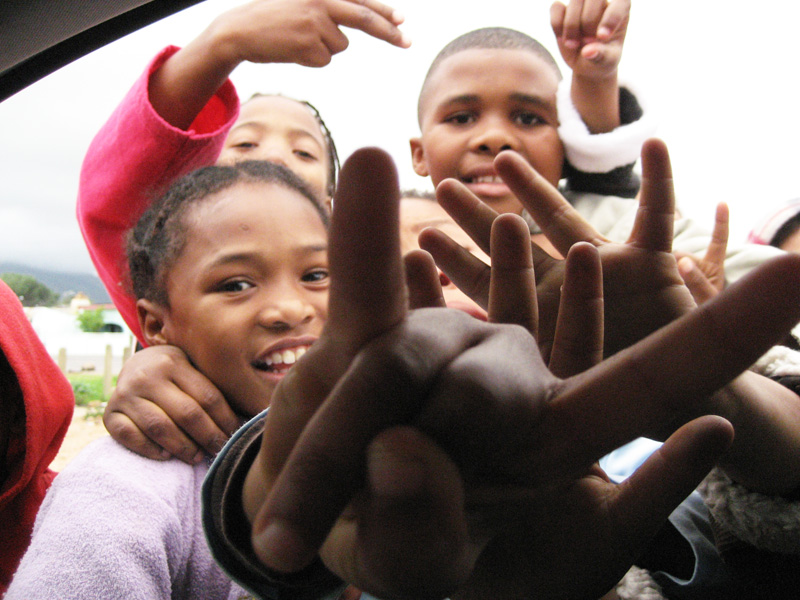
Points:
[[81, 431]]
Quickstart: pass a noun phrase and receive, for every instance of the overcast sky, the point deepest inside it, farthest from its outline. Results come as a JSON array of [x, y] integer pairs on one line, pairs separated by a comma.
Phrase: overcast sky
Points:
[[722, 83]]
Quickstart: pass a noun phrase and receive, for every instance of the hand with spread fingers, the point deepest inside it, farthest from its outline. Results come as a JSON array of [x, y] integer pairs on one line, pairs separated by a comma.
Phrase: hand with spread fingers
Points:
[[410, 449]]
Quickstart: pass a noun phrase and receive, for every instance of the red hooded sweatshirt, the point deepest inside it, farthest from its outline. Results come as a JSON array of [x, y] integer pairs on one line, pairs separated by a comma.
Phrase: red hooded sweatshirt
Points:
[[36, 404]]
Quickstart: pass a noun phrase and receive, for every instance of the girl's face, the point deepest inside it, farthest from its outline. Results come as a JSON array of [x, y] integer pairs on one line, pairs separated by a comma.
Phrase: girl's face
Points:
[[282, 131], [249, 293]]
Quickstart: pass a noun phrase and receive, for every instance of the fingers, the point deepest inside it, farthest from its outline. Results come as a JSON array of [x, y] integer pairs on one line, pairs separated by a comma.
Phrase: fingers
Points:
[[162, 401], [659, 379], [718, 247], [470, 274], [512, 288], [578, 341], [649, 496], [372, 17], [655, 220], [383, 387], [367, 296], [699, 285], [615, 19], [561, 223], [472, 215], [422, 279], [127, 433], [411, 526]]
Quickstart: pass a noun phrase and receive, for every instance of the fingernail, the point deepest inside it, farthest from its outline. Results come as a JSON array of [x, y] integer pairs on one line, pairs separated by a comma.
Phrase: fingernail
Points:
[[197, 458], [164, 454], [603, 32], [398, 17], [405, 41], [281, 548], [571, 43]]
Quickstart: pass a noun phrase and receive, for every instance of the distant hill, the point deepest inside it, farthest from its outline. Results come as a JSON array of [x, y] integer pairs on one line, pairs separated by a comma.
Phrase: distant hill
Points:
[[61, 282]]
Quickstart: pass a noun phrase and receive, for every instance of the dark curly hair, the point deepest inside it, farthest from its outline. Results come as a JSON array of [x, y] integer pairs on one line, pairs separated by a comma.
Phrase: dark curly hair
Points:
[[158, 238]]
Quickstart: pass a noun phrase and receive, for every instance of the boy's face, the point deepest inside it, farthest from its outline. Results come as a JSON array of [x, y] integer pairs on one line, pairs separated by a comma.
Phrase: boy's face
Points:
[[282, 131], [249, 292], [479, 102]]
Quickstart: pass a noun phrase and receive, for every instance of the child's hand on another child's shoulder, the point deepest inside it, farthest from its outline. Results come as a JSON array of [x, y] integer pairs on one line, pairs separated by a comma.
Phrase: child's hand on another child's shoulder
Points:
[[590, 34], [162, 407]]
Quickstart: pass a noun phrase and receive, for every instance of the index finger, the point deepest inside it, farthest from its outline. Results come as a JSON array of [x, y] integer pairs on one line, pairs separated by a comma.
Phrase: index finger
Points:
[[372, 17], [558, 220], [367, 297]]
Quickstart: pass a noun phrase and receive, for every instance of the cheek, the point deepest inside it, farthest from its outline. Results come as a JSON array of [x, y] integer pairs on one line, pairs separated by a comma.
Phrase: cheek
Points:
[[547, 155]]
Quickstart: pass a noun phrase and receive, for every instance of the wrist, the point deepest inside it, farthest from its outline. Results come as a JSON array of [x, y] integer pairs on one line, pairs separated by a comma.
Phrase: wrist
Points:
[[597, 100]]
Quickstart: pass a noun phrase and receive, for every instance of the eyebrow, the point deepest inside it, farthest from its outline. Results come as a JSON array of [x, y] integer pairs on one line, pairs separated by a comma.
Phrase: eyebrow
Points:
[[297, 132], [237, 257], [516, 97]]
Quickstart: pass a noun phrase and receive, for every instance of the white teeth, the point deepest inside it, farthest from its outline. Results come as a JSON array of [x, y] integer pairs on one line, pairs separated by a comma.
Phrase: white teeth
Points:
[[487, 179], [285, 357]]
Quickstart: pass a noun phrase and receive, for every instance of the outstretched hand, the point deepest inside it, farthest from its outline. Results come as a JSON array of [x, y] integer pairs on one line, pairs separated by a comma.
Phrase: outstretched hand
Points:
[[643, 288], [411, 423]]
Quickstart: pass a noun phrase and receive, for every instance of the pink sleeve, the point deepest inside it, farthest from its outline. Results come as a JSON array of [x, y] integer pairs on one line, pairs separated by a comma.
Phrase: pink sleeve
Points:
[[134, 157]]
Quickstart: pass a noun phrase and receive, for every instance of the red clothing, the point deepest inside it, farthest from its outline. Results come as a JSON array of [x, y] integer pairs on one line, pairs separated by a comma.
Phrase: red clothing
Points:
[[134, 157], [48, 404]]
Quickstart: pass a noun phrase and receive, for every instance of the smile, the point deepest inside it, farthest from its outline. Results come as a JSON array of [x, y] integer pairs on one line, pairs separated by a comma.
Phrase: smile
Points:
[[280, 361]]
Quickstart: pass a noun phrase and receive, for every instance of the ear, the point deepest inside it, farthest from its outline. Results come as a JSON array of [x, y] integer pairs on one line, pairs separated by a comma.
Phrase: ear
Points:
[[418, 157], [152, 320]]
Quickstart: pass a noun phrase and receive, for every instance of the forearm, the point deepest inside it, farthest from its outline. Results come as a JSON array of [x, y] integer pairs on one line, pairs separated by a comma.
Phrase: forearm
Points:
[[189, 79], [597, 101], [765, 455]]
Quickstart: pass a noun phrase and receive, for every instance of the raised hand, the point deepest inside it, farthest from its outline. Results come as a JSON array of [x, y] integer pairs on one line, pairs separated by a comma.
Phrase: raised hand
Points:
[[705, 277], [435, 390], [590, 34], [643, 288]]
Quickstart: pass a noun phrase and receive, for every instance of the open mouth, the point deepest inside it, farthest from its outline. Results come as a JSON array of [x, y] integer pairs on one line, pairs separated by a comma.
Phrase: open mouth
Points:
[[483, 179], [280, 361]]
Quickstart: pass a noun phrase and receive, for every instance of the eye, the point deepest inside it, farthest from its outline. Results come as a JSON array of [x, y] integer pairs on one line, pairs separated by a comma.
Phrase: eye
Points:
[[527, 119], [235, 286], [305, 155], [245, 145], [460, 118], [316, 276]]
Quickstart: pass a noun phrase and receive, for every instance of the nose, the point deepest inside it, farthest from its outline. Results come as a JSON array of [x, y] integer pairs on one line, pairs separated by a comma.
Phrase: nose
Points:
[[493, 137], [286, 311], [273, 152]]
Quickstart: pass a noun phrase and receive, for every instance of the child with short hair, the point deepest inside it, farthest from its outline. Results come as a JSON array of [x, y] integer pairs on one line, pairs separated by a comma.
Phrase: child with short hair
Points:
[[497, 89], [230, 266]]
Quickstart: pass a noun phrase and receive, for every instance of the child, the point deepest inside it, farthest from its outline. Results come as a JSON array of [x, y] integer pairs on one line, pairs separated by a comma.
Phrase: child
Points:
[[36, 405], [293, 500], [140, 413], [498, 89], [231, 267], [183, 113]]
